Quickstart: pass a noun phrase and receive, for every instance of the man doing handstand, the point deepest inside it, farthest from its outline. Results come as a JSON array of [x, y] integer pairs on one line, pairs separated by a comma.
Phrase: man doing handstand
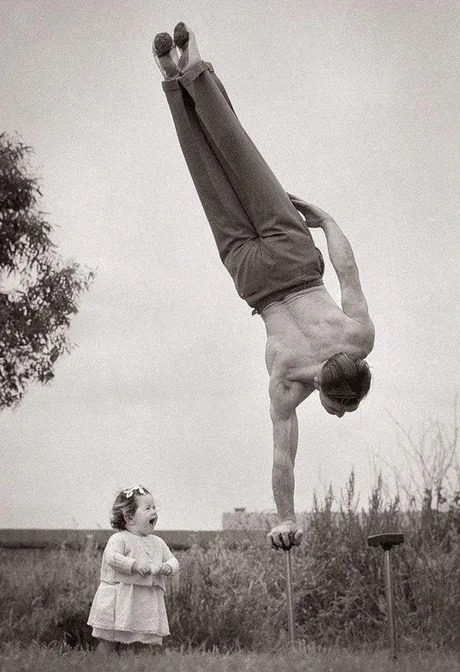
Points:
[[267, 248]]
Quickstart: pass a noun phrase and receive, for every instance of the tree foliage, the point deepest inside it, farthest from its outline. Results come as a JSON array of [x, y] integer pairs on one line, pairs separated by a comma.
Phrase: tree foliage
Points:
[[38, 291]]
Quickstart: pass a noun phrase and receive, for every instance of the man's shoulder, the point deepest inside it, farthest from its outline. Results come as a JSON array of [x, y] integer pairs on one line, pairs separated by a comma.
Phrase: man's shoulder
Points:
[[286, 393]]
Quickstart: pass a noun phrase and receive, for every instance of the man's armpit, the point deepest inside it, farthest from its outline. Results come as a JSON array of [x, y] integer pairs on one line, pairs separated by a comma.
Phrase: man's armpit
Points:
[[285, 397]]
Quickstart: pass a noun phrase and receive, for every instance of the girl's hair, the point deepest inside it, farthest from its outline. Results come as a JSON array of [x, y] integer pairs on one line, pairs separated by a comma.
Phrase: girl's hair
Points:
[[125, 504], [345, 378]]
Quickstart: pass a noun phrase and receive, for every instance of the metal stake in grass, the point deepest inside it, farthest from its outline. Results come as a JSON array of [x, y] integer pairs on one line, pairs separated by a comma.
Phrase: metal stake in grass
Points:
[[290, 606], [387, 541]]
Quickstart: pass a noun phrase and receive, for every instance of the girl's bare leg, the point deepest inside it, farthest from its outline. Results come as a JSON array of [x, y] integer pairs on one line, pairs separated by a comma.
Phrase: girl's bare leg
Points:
[[105, 648]]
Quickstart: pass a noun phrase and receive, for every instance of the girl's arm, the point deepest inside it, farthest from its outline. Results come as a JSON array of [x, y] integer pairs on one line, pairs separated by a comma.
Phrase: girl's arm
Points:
[[173, 563], [170, 564], [115, 554]]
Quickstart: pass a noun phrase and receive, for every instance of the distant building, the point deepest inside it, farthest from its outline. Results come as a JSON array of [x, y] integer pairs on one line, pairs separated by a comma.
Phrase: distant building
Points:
[[240, 519]]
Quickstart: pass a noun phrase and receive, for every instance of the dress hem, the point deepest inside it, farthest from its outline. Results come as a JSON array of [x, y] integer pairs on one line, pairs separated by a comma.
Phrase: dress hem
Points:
[[127, 636]]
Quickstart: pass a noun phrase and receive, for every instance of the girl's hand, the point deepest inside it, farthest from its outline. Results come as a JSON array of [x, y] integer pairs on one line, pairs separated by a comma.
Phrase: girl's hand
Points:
[[165, 569], [142, 568]]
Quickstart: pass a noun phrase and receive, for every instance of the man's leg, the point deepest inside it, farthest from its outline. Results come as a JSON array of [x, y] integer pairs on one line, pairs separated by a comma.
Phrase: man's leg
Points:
[[261, 238], [229, 222], [264, 199], [285, 255]]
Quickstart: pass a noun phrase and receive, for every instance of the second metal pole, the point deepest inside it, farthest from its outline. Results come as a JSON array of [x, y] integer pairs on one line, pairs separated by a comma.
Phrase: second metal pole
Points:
[[290, 605], [390, 603]]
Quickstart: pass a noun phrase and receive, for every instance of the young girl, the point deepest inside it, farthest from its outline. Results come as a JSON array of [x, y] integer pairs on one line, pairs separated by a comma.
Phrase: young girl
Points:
[[129, 603]]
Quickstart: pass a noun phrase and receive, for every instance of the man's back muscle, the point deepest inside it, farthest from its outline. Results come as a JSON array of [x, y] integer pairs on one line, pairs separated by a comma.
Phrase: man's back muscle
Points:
[[307, 328]]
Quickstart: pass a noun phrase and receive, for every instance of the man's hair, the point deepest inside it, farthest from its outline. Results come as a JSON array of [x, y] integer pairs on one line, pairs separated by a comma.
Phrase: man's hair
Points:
[[345, 378]]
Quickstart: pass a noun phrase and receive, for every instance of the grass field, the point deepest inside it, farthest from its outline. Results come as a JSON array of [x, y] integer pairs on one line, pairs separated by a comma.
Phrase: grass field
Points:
[[227, 606], [235, 598], [301, 659]]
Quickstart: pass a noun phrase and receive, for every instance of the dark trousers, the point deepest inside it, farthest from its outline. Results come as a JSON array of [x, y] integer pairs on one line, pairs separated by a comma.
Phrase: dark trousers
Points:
[[262, 239]]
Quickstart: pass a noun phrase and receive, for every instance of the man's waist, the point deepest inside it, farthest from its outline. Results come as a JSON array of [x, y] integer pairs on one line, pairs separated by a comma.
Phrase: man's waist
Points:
[[278, 296]]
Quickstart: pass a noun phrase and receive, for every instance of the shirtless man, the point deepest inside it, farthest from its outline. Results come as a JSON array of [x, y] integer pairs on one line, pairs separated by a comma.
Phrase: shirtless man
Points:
[[263, 238]]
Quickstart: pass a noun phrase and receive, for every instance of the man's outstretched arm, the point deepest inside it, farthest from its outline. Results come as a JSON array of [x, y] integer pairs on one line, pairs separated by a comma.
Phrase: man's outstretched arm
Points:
[[353, 301], [340, 252]]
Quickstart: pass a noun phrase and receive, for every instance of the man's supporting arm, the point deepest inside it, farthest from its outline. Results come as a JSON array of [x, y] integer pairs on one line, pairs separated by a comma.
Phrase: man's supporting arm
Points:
[[285, 441], [284, 400]]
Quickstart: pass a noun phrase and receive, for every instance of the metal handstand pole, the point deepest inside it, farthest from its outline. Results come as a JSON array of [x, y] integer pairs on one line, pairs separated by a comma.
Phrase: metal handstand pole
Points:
[[290, 604], [387, 541]]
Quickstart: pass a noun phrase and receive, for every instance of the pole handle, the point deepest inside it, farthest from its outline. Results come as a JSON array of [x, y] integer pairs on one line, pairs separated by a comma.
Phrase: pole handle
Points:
[[386, 540]]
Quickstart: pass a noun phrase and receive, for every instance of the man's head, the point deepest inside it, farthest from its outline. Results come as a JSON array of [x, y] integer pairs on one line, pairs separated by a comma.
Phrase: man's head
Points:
[[343, 381]]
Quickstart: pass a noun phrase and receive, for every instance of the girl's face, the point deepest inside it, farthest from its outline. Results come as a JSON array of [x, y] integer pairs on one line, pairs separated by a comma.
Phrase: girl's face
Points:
[[145, 517]]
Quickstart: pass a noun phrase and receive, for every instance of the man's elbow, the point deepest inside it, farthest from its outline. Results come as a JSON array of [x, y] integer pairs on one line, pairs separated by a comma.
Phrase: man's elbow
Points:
[[279, 413], [370, 338], [347, 271]]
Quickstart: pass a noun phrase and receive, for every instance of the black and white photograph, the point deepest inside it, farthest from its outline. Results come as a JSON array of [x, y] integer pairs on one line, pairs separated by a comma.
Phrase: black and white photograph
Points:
[[229, 336]]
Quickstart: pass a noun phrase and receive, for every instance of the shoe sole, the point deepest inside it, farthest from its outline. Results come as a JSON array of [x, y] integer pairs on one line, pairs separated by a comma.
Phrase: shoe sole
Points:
[[181, 35], [162, 44]]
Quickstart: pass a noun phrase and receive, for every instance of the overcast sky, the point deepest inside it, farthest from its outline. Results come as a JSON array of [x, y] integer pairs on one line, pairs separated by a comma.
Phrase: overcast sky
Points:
[[353, 103]]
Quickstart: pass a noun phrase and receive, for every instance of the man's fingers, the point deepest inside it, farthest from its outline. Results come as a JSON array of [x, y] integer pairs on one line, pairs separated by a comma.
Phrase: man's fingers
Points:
[[272, 540], [275, 541], [286, 539]]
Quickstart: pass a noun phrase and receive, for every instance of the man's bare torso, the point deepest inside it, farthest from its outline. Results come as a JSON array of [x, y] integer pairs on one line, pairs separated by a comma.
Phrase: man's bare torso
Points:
[[304, 330]]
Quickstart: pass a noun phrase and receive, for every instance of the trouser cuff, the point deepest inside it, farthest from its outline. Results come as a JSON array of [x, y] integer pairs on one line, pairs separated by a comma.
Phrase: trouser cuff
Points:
[[188, 77]]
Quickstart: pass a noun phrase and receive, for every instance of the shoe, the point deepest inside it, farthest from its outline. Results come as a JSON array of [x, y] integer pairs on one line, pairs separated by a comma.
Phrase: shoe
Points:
[[185, 41], [165, 54]]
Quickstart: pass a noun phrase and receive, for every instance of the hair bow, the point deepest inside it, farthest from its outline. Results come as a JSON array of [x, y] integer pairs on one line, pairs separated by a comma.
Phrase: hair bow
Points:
[[129, 492]]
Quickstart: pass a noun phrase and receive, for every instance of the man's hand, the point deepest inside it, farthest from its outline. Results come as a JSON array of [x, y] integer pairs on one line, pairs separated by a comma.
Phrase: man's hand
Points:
[[314, 216], [142, 568], [286, 535]]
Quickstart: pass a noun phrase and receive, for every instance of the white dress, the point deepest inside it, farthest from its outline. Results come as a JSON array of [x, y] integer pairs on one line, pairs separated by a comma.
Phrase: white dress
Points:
[[123, 611]]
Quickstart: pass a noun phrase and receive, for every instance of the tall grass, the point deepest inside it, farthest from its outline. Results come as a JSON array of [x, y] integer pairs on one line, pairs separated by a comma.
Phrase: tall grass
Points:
[[234, 598], [45, 595], [227, 596]]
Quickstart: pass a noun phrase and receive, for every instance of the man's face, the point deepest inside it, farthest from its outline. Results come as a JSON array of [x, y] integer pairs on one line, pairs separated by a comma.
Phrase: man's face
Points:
[[335, 407]]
